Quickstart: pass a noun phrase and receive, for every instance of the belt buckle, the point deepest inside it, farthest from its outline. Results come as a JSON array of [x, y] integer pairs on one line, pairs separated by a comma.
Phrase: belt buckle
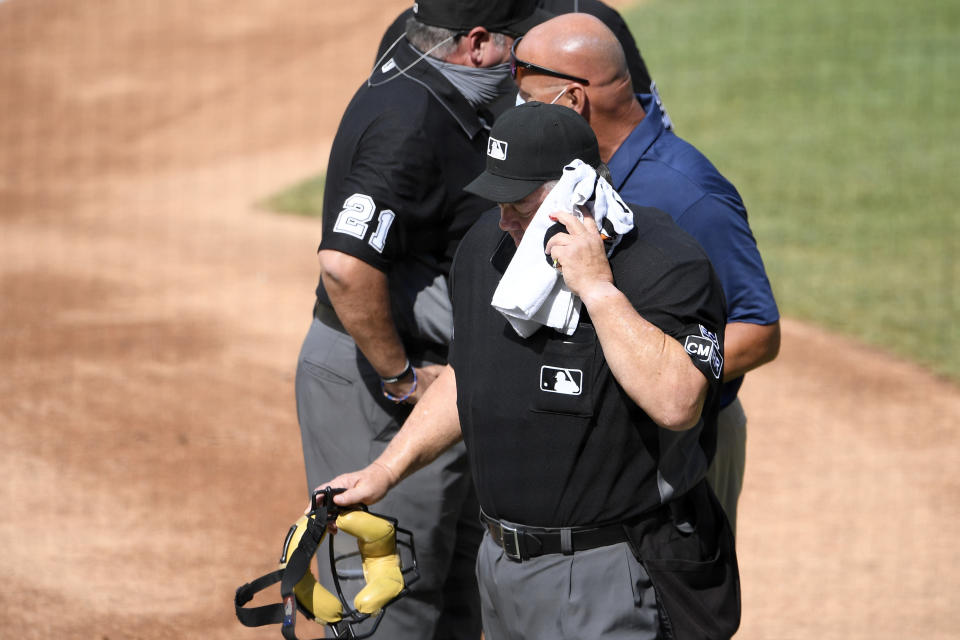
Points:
[[511, 540]]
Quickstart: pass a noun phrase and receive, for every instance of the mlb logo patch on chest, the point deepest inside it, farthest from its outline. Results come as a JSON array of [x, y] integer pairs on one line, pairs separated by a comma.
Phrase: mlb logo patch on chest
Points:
[[560, 380]]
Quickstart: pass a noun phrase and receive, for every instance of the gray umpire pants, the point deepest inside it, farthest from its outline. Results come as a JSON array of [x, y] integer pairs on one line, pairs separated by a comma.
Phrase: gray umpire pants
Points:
[[597, 593], [725, 474], [345, 423]]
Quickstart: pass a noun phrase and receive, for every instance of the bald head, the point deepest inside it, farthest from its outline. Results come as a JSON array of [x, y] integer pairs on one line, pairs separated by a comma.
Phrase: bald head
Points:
[[577, 44]]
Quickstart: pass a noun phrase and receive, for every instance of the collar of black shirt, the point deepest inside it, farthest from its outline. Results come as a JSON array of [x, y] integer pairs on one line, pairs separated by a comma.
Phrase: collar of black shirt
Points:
[[408, 62], [504, 253]]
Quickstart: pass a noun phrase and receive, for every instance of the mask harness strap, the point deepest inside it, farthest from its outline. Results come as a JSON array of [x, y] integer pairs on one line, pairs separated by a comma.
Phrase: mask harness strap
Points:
[[258, 616], [296, 567]]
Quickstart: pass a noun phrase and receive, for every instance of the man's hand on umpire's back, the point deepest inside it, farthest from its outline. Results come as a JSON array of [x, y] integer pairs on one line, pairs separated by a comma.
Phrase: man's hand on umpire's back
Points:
[[425, 377]]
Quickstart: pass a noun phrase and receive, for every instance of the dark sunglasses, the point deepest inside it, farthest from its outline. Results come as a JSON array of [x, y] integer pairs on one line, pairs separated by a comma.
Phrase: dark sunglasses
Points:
[[517, 64]]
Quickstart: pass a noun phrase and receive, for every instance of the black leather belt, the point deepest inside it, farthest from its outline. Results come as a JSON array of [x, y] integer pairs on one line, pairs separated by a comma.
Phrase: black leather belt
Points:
[[522, 543], [326, 315]]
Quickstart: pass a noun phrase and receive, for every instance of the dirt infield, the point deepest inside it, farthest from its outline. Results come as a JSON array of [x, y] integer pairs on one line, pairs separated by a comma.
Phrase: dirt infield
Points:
[[150, 319]]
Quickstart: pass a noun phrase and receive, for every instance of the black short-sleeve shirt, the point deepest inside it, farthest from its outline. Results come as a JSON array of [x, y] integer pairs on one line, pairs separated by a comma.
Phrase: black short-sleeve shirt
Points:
[[407, 145], [553, 439]]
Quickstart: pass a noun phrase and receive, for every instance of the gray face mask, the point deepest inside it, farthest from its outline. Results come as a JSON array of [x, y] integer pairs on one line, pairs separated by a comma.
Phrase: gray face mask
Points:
[[479, 85]]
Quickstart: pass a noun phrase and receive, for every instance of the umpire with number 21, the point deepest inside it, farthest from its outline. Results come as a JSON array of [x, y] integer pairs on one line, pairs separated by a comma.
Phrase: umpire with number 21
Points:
[[599, 523]]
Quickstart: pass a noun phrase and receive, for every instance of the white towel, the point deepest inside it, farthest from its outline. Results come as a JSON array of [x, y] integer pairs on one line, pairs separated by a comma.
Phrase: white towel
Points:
[[531, 293]]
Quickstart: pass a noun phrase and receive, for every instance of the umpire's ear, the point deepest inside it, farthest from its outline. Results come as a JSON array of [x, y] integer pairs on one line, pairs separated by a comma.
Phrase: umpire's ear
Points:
[[575, 97], [481, 49]]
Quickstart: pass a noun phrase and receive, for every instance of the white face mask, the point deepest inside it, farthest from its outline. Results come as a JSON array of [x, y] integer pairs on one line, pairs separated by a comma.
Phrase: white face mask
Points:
[[559, 94], [519, 101]]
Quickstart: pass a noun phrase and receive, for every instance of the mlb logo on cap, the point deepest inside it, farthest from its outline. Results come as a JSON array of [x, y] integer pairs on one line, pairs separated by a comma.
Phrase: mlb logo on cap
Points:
[[545, 138], [497, 149]]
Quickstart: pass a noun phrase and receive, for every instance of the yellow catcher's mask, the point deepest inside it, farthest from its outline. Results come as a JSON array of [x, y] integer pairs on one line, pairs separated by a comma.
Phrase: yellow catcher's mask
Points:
[[384, 577]]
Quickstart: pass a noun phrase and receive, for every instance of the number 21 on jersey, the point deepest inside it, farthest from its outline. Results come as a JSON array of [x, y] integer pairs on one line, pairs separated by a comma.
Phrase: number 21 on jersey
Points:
[[355, 217]]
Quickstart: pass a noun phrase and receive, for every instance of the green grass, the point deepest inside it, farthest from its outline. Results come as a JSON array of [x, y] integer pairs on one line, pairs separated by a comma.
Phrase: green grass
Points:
[[839, 122], [304, 198]]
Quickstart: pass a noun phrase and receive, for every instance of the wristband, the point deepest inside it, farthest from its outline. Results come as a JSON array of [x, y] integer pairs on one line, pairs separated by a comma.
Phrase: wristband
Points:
[[399, 399], [400, 376]]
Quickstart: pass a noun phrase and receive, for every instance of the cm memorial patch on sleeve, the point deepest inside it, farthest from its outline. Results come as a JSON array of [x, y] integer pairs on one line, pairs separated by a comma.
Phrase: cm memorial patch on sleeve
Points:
[[706, 348]]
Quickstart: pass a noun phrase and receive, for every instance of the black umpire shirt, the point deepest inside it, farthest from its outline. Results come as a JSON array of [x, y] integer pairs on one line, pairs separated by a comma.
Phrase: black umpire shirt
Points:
[[553, 439], [407, 145]]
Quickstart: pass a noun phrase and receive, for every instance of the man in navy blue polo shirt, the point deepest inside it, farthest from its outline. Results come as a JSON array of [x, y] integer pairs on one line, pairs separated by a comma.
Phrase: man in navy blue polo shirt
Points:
[[576, 61], [394, 211]]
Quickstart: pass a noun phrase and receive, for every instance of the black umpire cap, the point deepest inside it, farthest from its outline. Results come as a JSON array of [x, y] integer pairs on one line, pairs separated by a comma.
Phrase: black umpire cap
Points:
[[513, 17], [530, 145]]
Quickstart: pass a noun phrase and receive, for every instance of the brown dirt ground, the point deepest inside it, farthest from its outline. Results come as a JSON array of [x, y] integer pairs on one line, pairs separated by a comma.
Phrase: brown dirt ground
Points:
[[150, 319]]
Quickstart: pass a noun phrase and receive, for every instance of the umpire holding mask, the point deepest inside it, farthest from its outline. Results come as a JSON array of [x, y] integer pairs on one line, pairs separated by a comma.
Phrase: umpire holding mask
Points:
[[394, 210], [599, 521]]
